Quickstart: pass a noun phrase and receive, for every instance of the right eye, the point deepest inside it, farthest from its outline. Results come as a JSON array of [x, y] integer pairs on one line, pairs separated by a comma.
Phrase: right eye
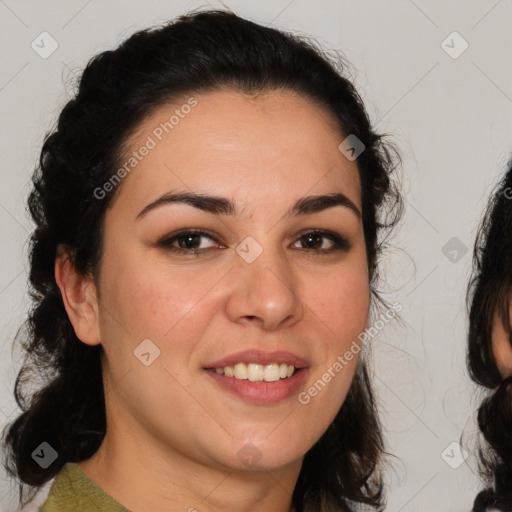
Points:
[[186, 242]]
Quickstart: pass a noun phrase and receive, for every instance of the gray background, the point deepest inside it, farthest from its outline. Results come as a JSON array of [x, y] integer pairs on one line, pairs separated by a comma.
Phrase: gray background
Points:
[[450, 118]]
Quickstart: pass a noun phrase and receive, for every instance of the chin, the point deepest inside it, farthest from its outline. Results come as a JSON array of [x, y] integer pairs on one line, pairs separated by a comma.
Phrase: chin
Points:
[[262, 455]]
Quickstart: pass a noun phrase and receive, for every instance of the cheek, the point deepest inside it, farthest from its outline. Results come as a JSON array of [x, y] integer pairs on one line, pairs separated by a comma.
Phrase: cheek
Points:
[[501, 348], [341, 301], [339, 305], [151, 298]]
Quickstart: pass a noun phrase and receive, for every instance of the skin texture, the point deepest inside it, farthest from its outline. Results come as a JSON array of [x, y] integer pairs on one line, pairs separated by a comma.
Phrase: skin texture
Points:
[[173, 433], [501, 347]]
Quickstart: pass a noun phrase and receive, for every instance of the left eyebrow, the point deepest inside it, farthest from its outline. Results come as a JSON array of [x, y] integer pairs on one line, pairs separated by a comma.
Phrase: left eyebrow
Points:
[[221, 205], [314, 204]]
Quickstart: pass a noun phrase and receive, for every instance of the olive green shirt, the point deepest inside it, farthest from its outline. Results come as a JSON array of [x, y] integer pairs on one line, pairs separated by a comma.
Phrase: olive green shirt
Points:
[[74, 491]]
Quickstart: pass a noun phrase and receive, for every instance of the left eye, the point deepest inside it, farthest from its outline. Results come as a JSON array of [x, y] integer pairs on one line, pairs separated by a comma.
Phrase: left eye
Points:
[[315, 241]]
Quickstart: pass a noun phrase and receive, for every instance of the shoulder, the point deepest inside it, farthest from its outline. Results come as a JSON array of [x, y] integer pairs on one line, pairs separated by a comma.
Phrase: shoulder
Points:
[[74, 490], [64, 493]]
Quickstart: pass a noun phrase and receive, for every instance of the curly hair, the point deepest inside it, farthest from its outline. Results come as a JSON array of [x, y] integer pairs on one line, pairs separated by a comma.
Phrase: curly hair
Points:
[[197, 52], [489, 294]]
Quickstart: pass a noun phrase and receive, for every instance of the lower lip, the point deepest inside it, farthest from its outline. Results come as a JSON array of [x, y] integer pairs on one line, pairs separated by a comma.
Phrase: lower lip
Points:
[[261, 392]]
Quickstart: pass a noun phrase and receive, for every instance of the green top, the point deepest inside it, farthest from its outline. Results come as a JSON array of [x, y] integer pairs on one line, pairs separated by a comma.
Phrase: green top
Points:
[[74, 491]]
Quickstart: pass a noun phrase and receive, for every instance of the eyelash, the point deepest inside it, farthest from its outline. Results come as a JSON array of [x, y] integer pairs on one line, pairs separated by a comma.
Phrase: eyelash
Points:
[[340, 242]]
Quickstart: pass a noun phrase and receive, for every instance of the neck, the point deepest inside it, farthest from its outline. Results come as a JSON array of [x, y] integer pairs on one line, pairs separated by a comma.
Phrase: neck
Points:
[[149, 476]]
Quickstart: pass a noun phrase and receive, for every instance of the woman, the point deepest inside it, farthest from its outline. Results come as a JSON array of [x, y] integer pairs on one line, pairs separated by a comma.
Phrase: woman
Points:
[[490, 345], [207, 219]]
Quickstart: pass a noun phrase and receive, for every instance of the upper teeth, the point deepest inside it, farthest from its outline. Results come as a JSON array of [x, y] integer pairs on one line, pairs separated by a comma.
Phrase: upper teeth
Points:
[[257, 372]]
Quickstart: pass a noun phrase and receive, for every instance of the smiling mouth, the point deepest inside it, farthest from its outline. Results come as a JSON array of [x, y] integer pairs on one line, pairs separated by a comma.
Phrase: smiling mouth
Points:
[[257, 372]]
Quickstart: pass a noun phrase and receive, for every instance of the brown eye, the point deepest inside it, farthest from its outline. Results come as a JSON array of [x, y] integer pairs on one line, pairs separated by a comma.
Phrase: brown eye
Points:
[[190, 241], [315, 241]]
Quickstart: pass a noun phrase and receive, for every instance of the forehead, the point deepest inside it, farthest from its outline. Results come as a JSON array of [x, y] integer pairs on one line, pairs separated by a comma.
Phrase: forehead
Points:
[[278, 142]]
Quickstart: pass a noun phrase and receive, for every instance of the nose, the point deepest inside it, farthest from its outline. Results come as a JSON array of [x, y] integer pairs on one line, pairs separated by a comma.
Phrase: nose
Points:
[[264, 292]]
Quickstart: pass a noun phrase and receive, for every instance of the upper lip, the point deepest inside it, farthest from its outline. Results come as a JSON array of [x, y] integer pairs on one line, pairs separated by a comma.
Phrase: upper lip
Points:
[[259, 357]]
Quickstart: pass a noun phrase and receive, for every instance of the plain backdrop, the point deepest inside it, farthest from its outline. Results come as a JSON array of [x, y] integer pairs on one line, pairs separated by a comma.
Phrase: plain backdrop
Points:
[[447, 108]]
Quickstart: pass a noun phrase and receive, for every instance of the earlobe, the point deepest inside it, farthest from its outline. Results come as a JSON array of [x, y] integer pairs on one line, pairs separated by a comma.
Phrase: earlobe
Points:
[[502, 348], [79, 297]]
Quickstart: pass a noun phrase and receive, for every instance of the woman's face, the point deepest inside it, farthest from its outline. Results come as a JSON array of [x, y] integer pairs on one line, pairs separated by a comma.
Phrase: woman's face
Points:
[[261, 291]]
